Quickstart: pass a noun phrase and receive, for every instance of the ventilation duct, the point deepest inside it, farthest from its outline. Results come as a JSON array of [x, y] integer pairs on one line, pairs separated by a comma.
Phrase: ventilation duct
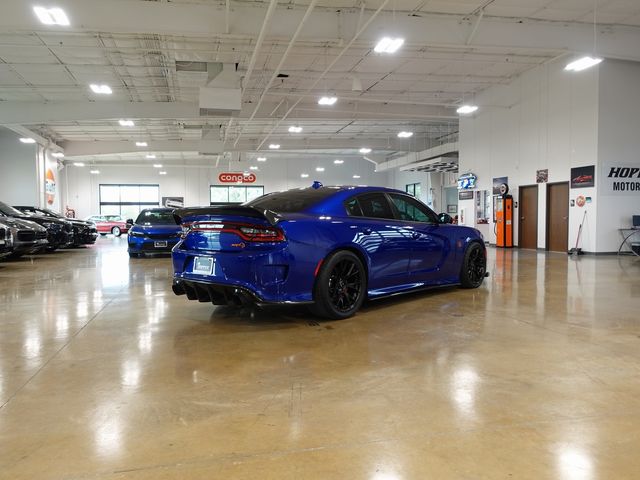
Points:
[[222, 96]]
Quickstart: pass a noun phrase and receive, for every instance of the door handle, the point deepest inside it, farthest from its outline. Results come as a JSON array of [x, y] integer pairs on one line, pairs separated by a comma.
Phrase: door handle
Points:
[[416, 235], [366, 231], [521, 218]]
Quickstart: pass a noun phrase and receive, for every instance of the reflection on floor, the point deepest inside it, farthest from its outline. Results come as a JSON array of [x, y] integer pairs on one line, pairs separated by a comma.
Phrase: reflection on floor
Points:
[[105, 374]]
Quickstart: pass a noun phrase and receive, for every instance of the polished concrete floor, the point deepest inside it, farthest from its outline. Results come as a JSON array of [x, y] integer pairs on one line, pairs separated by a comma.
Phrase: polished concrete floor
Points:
[[105, 374]]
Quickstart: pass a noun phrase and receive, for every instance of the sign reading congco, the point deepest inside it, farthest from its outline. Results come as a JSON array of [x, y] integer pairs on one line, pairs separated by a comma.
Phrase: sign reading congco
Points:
[[620, 179], [236, 177]]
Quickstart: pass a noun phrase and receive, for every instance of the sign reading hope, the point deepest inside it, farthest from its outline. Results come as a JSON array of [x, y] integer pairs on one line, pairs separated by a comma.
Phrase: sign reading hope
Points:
[[236, 177]]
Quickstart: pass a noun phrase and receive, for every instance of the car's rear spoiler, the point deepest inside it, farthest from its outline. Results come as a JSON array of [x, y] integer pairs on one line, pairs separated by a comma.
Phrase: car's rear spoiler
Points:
[[182, 214]]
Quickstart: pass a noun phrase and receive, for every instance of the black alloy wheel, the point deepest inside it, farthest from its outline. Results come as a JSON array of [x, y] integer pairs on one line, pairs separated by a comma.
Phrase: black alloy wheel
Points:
[[340, 286], [474, 267]]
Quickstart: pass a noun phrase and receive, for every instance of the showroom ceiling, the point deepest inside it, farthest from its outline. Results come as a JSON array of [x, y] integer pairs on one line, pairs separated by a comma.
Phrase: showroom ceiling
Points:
[[156, 56]]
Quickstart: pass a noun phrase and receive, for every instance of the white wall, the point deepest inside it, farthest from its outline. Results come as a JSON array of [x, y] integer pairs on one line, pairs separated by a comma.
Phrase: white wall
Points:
[[432, 186], [18, 170], [618, 145], [546, 118], [81, 189]]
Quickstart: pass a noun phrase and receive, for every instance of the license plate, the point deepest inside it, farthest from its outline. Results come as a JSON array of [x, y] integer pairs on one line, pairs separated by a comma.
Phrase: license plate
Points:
[[203, 265], [160, 244]]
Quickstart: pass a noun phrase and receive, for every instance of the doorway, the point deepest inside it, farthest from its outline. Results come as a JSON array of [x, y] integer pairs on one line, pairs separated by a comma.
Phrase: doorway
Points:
[[558, 217], [528, 217]]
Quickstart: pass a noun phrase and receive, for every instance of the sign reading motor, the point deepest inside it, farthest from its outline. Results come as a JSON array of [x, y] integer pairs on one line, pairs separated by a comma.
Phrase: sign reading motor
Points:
[[236, 177], [622, 179]]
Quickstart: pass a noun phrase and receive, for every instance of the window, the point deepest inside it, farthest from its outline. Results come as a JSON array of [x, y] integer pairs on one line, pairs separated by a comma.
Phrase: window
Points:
[[413, 189], [411, 210], [375, 205], [126, 200], [292, 201], [156, 217], [234, 194], [353, 207]]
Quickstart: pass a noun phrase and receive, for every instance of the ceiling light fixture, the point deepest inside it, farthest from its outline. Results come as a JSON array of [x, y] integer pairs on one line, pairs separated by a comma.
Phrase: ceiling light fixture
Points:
[[404, 134], [126, 123], [162, 173], [467, 109], [365, 150], [142, 144], [78, 164], [253, 167], [274, 146], [261, 159], [95, 172], [57, 155], [295, 129], [27, 140], [582, 64], [157, 165], [356, 176], [51, 16], [338, 162], [304, 175], [388, 45], [319, 169], [101, 89], [326, 100], [151, 156]]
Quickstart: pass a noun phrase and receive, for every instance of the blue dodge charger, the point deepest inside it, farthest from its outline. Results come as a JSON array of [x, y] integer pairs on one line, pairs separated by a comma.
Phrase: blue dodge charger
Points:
[[154, 231], [329, 247]]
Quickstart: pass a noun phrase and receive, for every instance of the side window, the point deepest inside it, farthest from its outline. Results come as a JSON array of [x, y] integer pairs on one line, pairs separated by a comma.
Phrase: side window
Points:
[[411, 210], [353, 207], [375, 205]]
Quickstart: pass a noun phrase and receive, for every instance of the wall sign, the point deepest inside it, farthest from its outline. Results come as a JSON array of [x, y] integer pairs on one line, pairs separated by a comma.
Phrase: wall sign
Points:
[[467, 181], [497, 182], [465, 195], [173, 202], [542, 176], [236, 177], [50, 186], [583, 177], [620, 179]]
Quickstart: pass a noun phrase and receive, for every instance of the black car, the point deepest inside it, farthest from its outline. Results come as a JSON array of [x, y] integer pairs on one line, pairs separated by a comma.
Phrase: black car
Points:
[[59, 232], [84, 233], [27, 237]]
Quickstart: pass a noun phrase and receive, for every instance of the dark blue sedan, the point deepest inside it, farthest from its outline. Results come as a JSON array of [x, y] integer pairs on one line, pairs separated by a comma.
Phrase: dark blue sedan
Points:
[[329, 247], [154, 231]]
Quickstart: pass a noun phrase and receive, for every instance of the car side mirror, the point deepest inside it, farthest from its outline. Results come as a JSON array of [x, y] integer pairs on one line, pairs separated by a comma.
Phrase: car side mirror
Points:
[[129, 221], [445, 218]]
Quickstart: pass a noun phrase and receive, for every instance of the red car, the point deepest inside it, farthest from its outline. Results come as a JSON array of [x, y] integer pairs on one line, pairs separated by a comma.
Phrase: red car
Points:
[[109, 224]]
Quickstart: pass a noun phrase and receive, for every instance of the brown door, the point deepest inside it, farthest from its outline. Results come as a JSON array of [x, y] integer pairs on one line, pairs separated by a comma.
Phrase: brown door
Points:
[[558, 217], [528, 217]]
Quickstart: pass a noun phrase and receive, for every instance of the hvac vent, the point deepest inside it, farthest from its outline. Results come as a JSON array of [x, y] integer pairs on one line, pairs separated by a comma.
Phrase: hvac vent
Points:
[[218, 112], [445, 164], [184, 66]]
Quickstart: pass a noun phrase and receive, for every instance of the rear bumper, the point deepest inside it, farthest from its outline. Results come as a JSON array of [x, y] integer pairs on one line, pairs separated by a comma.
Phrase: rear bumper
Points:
[[223, 294]]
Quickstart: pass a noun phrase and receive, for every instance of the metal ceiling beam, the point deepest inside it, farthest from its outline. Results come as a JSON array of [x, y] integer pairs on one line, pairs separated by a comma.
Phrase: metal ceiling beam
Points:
[[208, 20], [37, 113], [40, 140], [81, 149]]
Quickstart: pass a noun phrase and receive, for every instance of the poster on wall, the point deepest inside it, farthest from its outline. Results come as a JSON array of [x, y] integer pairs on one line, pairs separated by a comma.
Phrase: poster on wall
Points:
[[497, 182], [50, 186], [583, 177], [542, 176], [173, 202], [620, 179]]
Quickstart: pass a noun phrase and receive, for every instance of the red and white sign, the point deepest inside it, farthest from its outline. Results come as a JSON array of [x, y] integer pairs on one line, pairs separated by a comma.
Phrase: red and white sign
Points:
[[236, 177]]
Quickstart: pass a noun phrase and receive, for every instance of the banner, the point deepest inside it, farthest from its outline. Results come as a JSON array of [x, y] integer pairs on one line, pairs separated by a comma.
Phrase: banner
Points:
[[619, 179]]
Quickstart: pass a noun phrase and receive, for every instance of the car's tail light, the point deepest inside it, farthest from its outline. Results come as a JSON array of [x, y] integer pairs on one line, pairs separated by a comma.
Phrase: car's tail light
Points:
[[249, 233]]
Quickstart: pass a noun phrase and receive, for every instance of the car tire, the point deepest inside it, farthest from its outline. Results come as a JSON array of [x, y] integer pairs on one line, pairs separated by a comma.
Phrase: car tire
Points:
[[103, 234], [474, 266], [116, 231], [341, 286], [133, 255]]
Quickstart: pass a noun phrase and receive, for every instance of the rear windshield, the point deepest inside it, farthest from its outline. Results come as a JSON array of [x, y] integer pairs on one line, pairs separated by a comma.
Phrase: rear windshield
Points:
[[292, 201], [156, 217]]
